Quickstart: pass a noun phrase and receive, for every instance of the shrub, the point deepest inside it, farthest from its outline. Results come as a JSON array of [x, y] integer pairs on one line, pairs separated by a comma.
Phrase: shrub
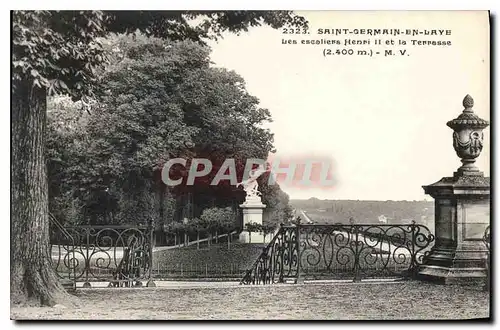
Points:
[[218, 219]]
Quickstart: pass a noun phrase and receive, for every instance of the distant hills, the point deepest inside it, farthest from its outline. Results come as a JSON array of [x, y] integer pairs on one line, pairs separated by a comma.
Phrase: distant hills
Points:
[[391, 212]]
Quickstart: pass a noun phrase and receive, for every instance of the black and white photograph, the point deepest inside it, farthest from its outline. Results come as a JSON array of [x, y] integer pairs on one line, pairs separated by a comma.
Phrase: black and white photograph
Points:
[[250, 165]]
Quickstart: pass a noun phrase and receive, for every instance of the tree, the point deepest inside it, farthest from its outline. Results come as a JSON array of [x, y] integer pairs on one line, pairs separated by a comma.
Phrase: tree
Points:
[[174, 228], [196, 226], [56, 52], [228, 224], [277, 201], [150, 110], [138, 122], [216, 219], [46, 49], [66, 130]]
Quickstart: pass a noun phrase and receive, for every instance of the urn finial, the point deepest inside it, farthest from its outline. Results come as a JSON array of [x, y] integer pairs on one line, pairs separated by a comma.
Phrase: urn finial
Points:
[[468, 137], [468, 102]]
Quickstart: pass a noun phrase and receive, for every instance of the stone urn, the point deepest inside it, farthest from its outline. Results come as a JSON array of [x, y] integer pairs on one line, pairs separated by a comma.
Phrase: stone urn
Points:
[[462, 210], [468, 137]]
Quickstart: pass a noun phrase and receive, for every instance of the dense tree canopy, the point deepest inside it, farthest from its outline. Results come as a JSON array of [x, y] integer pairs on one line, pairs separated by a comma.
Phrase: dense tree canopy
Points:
[[157, 100]]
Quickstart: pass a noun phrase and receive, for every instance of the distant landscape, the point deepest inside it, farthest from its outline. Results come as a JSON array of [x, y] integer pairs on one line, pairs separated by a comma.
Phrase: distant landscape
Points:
[[390, 212]]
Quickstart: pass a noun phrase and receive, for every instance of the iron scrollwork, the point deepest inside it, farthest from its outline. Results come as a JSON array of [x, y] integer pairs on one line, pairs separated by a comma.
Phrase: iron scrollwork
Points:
[[342, 251], [278, 260], [362, 251], [120, 255]]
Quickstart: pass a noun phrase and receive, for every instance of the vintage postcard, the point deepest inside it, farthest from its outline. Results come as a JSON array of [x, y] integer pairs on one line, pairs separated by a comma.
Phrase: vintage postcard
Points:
[[250, 165]]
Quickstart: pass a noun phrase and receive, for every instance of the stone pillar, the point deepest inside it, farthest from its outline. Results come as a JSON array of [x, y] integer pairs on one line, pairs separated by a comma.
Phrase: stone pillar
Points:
[[252, 213], [462, 209]]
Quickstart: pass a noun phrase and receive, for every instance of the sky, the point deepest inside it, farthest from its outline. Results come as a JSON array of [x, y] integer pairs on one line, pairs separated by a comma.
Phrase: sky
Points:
[[382, 120]]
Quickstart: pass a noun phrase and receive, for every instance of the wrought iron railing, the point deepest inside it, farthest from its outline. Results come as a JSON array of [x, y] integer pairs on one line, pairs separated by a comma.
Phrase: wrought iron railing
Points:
[[487, 243], [121, 255], [340, 251], [277, 261]]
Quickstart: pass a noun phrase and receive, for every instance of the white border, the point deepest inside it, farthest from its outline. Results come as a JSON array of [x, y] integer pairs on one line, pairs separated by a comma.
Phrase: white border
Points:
[[193, 5]]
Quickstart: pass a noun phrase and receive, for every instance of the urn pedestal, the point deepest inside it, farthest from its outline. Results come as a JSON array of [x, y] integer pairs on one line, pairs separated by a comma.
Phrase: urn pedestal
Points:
[[462, 213], [462, 210], [253, 210]]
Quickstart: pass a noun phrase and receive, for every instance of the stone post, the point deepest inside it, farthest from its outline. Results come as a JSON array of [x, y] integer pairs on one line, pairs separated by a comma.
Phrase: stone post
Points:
[[462, 209], [252, 213]]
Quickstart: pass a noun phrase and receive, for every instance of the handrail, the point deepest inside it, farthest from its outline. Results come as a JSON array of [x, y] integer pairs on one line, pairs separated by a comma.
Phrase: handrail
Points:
[[59, 226], [201, 240], [262, 257]]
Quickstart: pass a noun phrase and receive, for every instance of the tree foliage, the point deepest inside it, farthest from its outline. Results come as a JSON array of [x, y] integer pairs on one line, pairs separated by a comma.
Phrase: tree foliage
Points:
[[61, 51], [219, 219], [207, 24], [57, 51]]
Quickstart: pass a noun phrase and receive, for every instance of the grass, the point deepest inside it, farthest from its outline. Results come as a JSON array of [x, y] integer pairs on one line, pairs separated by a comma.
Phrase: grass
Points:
[[214, 261], [364, 301]]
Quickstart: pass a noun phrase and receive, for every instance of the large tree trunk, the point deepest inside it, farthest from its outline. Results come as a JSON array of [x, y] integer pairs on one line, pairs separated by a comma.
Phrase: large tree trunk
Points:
[[33, 280]]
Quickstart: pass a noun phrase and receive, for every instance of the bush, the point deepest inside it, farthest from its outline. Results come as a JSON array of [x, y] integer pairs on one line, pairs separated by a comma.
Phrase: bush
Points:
[[174, 227], [218, 219]]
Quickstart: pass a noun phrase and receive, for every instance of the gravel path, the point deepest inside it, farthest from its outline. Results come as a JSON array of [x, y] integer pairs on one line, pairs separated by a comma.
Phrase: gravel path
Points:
[[338, 301]]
